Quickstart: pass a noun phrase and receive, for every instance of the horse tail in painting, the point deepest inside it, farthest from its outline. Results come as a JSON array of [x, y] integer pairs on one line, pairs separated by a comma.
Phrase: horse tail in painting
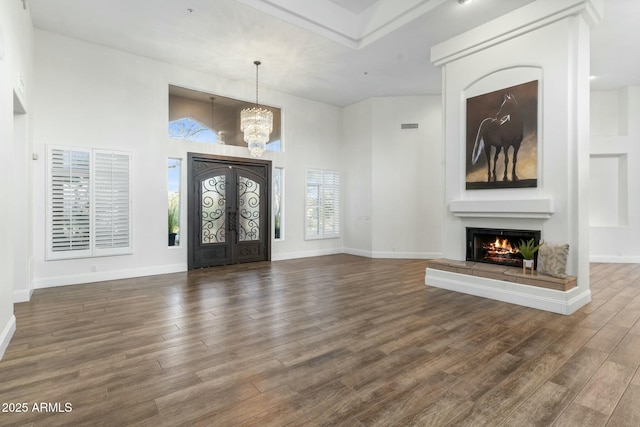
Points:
[[478, 146]]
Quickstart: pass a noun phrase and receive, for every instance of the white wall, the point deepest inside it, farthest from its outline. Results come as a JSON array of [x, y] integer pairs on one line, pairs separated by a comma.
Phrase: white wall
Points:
[[22, 163], [394, 186], [357, 149], [91, 96], [615, 177], [408, 185], [15, 78]]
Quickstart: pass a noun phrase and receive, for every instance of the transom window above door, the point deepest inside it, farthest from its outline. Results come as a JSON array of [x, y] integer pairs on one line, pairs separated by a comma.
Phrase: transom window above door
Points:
[[213, 119]]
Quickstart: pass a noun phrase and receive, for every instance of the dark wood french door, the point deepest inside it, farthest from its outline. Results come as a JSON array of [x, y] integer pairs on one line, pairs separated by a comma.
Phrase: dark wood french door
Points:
[[229, 210]]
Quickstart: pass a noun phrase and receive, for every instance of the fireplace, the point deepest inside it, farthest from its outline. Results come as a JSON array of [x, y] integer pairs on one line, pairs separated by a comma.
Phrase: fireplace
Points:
[[498, 246]]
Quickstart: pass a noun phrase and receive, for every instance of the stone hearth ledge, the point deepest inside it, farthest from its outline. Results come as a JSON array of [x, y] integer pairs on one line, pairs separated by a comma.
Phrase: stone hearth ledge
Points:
[[507, 274], [507, 284]]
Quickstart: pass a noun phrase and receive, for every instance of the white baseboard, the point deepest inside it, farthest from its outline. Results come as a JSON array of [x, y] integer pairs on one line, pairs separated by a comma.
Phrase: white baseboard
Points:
[[7, 334], [615, 259], [305, 254], [393, 254], [358, 252], [23, 295], [407, 255], [561, 302], [77, 279]]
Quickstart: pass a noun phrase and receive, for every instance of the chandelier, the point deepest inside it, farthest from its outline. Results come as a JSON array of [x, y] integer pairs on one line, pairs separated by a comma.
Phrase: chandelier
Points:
[[256, 123]]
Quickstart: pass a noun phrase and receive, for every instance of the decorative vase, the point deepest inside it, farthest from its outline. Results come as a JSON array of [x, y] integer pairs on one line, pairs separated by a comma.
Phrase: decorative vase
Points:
[[172, 239]]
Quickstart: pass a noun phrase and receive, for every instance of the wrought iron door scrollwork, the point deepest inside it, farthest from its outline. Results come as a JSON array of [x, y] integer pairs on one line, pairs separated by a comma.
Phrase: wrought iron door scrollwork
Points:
[[249, 207], [214, 210]]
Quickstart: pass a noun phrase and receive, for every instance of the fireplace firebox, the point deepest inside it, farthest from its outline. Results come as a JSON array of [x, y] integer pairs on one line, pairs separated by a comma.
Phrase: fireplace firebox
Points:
[[498, 246]]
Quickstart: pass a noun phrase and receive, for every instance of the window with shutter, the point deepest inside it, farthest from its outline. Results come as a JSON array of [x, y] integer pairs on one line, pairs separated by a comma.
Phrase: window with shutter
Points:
[[89, 211], [69, 203], [111, 203], [322, 204]]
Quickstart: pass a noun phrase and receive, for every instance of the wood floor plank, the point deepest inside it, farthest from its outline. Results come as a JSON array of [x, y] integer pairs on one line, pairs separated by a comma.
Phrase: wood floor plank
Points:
[[443, 409], [627, 412], [246, 367], [337, 340], [249, 411], [200, 399], [498, 402], [410, 402], [606, 387], [579, 415], [547, 402], [541, 409], [629, 316], [579, 369], [627, 352], [607, 338], [636, 378]]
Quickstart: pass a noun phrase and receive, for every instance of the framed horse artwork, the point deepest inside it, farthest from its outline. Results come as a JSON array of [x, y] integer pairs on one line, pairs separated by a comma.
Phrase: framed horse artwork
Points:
[[502, 138]]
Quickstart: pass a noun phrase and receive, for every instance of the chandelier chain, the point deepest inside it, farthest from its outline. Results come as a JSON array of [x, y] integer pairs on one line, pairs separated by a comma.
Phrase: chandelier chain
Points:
[[257, 65]]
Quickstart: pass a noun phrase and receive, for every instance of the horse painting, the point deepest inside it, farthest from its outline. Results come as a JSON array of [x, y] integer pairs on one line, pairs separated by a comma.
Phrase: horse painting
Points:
[[502, 131]]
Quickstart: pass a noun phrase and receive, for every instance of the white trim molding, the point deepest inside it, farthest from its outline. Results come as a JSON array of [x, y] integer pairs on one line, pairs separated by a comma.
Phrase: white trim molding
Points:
[[23, 295], [614, 259], [523, 208], [77, 279], [7, 334], [305, 254], [393, 254], [526, 19], [358, 252], [406, 255]]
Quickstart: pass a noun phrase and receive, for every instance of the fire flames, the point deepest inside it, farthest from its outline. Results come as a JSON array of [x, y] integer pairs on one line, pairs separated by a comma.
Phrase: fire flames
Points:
[[499, 249], [503, 245]]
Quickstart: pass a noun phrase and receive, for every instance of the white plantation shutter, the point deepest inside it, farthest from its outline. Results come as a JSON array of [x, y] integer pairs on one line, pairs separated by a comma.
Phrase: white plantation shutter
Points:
[[322, 204], [111, 207], [69, 203], [89, 208], [331, 203]]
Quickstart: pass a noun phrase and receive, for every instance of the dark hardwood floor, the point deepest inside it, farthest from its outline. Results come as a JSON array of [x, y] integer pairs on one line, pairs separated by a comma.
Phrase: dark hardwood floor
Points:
[[335, 340]]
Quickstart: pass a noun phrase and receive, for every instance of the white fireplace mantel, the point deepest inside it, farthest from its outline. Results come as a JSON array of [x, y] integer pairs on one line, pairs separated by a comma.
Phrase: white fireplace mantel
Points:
[[522, 208]]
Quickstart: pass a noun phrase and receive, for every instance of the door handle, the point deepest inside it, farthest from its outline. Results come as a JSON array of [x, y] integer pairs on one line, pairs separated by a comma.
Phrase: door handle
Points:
[[232, 219]]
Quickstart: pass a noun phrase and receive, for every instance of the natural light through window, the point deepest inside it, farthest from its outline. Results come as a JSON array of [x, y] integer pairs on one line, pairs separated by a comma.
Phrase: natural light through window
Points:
[[88, 202], [173, 187], [207, 118], [278, 200], [322, 219], [192, 130]]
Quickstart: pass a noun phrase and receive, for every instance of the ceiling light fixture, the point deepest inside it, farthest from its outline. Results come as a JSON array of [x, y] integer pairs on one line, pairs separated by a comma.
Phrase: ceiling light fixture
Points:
[[464, 1], [256, 123]]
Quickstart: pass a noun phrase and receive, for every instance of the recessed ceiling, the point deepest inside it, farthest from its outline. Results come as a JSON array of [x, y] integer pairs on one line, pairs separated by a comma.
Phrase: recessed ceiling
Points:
[[354, 6], [353, 23], [334, 51]]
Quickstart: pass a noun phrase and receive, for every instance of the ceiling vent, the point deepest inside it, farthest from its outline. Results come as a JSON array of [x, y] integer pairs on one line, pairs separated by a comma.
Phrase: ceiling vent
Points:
[[405, 126]]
